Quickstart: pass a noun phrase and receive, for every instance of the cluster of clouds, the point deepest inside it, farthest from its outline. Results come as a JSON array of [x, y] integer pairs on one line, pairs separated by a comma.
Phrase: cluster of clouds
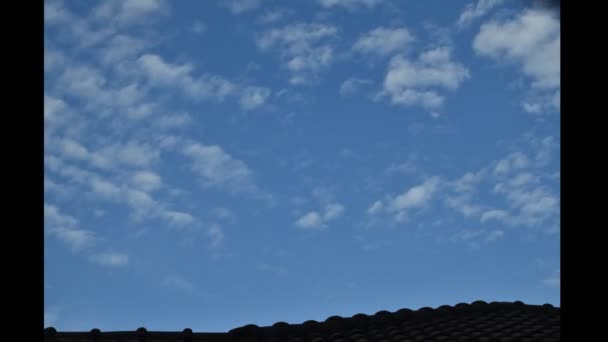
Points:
[[519, 181], [94, 142]]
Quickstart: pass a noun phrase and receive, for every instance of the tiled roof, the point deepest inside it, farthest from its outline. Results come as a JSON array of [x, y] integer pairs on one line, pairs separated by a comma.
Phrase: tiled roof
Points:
[[478, 321]]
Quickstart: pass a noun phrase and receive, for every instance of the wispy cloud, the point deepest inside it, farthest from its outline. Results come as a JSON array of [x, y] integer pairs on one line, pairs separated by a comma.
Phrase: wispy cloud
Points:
[[305, 48], [398, 206], [476, 10], [532, 41], [352, 85], [419, 82], [240, 6], [216, 168], [384, 41], [65, 228], [111, 259], [350, 4], [476, 238], [318, 220]]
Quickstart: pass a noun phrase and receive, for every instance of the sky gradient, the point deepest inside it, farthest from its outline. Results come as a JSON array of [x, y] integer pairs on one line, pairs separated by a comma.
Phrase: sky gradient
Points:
[[214, 164]]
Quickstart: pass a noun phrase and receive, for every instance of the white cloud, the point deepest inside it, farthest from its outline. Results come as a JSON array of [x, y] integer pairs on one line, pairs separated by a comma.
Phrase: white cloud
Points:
[[415, 197], [130, 11], [383, 41], [418, 82], [274, 15], [310, 220], [146, 180], [240, 6], [65, 228], [495, 235], [73, 149], [316, 220], [303, 48], [464, 188], [254, 97], [174, 120], [53, 60], [532, 41], [333, 211], [351, 85], [120, 48], [179, 283], [475, 238], [215, 234], [206, 86], [476, 10], [111, 259], [350, 4], [494, 214], [514, 161], [177, 218], [375, 208], [462, 204], [217, 168]]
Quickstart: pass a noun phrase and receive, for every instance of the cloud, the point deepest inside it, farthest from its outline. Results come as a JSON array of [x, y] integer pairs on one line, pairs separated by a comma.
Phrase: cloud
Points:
[[111, 259], [494, 214], [475, 238], [178, 283], [463, 190], [173, 121], [65, 228], [130, 11], [215, 234], [383, 41], [350, 4], [275, 15], [165, 74], [514, 161], [531, 41], [303, 48], [316, 220], [310, 220], [217, 168], [418, 83], [415, 197], [352, 85], [375, 208], [333, 211], [254, 97], [121, 47], [177, 218], [146, 180], [476, 10], [240, 6]]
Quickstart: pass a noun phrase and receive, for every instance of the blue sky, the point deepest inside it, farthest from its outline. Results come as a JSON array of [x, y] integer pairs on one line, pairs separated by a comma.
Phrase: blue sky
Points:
[[214, 164]]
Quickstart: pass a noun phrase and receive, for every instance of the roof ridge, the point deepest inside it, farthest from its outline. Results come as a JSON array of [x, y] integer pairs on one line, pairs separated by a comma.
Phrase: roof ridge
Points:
[[333, 323]]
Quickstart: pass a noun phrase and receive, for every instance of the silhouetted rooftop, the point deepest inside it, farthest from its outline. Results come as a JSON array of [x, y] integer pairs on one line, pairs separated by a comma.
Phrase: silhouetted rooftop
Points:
[[478, 321]]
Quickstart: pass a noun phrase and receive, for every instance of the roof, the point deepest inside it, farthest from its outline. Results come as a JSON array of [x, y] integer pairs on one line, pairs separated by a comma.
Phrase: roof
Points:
[[478, 321]]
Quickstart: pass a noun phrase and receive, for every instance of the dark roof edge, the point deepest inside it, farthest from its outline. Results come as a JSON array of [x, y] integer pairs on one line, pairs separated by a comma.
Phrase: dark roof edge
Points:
[[333, 322]]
